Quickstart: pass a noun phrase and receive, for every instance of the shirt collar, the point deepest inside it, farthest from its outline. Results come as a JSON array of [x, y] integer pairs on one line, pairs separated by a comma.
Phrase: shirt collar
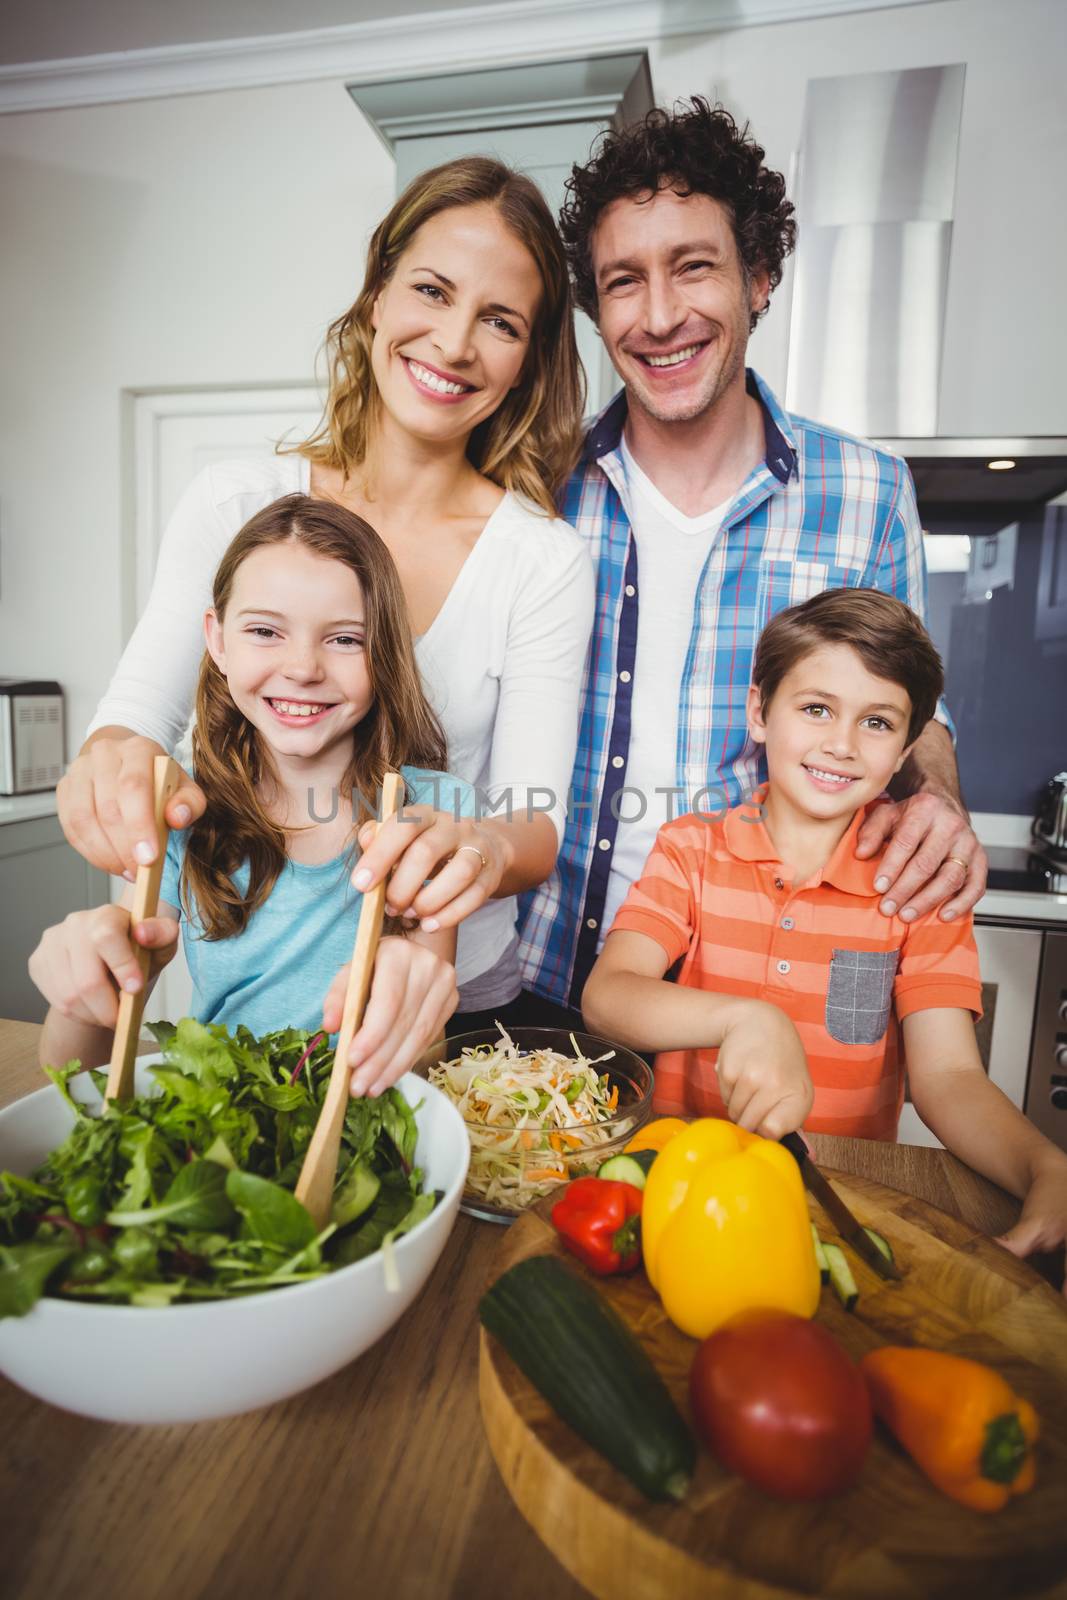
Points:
[[780, 451], [748, 840]]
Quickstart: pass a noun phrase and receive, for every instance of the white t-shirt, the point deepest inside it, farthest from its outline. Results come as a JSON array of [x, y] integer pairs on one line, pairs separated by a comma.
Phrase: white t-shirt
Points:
[[671, 551], [502, 663]]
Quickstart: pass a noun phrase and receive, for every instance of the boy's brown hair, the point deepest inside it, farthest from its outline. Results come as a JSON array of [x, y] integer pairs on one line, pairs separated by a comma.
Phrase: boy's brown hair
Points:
[[886, 634]]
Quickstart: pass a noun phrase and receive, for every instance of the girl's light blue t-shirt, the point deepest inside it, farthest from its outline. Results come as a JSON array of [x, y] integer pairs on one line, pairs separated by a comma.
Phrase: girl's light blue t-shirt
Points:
[[275, 973]]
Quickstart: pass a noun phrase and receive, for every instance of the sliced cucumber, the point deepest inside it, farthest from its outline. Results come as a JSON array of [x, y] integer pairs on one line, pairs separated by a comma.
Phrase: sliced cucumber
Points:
[[841, 1275], [881, 1244], [624, 1169], [820, 1255]]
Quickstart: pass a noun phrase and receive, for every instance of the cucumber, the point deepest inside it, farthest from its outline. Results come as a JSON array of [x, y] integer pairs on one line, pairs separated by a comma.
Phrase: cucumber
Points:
[[841, 1275], [881, 1244], [579, 1354], [820, 1255], [627, 1168]]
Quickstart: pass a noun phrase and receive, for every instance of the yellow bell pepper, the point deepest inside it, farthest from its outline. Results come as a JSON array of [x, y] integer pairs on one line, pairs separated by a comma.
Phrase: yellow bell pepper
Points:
[[725, 1228]]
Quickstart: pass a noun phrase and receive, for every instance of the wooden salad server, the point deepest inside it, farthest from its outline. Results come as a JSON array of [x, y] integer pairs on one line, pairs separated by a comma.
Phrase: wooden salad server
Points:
[[315, 1186], [168, 779]]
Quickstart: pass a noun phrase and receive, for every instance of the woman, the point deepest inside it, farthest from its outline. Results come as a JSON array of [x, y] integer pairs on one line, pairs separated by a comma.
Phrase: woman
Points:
[[452, 419]]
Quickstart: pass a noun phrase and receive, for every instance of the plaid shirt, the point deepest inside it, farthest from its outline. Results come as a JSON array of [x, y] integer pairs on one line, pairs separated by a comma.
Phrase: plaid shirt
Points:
[[822, 511]]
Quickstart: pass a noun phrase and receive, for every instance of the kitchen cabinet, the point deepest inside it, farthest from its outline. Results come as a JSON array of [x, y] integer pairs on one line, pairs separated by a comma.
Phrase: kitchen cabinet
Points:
[[41, 879]]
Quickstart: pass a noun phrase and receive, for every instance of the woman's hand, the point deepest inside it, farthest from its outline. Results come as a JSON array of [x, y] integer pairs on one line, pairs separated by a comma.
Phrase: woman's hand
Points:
[[413, 993], [107, 802], [81, 964], [465, 862], [763, 1071]]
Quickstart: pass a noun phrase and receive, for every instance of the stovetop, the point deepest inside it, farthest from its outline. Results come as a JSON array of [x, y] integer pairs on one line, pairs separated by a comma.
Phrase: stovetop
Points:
[[1030, 871]]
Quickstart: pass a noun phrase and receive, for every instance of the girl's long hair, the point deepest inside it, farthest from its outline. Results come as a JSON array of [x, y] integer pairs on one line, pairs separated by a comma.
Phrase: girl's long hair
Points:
[[230, 759], [530, 443]]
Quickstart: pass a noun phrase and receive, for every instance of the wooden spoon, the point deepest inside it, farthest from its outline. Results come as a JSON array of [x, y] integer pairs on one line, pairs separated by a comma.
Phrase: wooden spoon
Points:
[[168, 779], [315, 1186]]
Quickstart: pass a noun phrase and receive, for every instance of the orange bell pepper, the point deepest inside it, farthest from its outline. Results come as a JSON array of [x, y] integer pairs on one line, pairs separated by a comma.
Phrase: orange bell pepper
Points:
[[960, 1421], [655, 1134]]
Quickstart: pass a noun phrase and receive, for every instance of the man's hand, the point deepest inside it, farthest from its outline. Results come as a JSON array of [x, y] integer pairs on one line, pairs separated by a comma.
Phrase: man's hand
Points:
[[1042, 1224], [933, 857], [763, 1071]]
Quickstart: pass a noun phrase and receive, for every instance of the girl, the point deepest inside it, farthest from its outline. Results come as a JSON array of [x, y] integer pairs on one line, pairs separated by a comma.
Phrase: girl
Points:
[[308, 693], [451, 422]]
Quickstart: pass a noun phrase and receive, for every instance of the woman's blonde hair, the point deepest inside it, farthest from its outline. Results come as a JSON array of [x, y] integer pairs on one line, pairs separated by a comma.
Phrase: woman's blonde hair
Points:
[[531, 441], [230, 759]]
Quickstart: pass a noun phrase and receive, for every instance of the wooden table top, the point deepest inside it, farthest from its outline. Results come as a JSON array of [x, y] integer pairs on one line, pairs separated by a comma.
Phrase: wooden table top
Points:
[[378, 1482]]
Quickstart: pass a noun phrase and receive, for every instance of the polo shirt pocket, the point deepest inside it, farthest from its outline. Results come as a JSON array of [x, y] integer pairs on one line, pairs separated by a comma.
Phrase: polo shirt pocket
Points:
[[859, 995]]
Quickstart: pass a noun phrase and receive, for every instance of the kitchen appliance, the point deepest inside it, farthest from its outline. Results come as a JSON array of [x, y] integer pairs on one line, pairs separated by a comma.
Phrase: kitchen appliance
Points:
[[31, 735], [1046, 1090], [1050, 824]]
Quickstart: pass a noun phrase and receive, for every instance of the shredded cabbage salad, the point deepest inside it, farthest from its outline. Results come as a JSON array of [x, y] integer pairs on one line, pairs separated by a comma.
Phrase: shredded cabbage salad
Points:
[[531, 1116]]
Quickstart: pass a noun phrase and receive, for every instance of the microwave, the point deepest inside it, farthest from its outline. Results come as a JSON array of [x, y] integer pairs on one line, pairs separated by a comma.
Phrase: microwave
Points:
[[31, 735]]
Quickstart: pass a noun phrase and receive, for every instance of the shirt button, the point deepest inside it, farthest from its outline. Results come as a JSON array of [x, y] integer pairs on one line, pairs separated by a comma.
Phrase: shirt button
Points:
[[603, 844], [783, 967], [787, 922], [630, 590], [779, 883], [618, 761], [590, 922], [624, 677]]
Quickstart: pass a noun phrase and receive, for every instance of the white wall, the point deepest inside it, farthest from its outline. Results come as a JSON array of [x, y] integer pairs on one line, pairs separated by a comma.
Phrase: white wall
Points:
[[194, 241], [1005, 349]]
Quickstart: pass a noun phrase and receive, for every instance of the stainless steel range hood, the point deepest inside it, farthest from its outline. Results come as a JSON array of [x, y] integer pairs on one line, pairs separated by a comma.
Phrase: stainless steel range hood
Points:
[[875, 190]]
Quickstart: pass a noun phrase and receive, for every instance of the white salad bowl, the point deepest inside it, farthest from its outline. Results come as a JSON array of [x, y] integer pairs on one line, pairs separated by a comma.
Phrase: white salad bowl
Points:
[[187, 1363]]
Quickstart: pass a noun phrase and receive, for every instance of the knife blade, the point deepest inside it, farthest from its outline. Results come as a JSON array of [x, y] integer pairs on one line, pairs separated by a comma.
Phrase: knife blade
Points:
[[838, 1212]]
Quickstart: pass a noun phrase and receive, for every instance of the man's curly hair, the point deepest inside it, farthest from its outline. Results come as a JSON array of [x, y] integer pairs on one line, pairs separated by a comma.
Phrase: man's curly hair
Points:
[[695, 149]]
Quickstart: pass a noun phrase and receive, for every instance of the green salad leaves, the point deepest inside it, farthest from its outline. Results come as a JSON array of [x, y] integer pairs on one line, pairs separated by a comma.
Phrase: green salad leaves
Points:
[[187, 1194]]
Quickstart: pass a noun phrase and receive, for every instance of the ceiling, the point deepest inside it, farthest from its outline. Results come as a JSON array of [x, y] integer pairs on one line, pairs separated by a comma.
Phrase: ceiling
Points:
[[46, 30], [50, 30]]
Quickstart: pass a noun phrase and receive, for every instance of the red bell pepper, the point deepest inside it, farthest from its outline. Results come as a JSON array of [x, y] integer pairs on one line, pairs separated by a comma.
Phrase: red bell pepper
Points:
[[600, 1221]]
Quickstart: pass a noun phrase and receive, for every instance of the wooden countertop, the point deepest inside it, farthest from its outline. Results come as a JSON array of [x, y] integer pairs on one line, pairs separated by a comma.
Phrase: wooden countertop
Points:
[[377, 1483]]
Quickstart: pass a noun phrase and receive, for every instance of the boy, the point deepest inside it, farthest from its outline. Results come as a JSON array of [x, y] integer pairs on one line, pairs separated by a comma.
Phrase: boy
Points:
[[793, 990]]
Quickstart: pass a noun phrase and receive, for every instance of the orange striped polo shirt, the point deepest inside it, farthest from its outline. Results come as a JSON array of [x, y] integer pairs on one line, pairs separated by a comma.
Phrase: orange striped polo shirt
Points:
[[716, 897]]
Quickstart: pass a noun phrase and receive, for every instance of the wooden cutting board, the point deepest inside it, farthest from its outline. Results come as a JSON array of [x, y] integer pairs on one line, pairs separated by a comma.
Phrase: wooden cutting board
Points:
[[892, 1535]]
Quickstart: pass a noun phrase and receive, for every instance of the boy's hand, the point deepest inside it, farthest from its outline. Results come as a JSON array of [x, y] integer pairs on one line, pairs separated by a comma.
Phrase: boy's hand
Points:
[[763, 1072], [413, 994], [81, 964], [1042, 1224]]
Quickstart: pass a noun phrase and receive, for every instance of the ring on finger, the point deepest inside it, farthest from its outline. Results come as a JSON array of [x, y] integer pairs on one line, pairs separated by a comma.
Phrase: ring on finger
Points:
[[477, 852], [966, 865]]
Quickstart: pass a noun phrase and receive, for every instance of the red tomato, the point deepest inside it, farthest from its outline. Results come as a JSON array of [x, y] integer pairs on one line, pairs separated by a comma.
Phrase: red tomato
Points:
[[780, 1403]]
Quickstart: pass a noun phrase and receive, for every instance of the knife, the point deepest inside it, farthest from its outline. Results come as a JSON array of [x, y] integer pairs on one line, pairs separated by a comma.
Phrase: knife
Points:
[[836, 1209]]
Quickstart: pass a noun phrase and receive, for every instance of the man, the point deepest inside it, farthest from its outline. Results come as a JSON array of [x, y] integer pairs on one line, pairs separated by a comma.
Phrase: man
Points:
[[707, 509]]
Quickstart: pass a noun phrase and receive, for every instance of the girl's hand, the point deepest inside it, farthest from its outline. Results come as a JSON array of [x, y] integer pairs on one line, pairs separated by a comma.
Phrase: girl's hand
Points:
[[81, 964], [413, 993], [464, 860], [1042, 1224], [763, 1071], [107, 807]]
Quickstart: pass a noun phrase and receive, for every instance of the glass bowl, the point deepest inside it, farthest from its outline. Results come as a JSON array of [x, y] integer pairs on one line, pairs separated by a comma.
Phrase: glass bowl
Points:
[[508, 1158]]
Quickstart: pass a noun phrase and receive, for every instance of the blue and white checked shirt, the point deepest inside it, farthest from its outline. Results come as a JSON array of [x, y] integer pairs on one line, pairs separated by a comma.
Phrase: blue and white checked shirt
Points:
[[822, 511]]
